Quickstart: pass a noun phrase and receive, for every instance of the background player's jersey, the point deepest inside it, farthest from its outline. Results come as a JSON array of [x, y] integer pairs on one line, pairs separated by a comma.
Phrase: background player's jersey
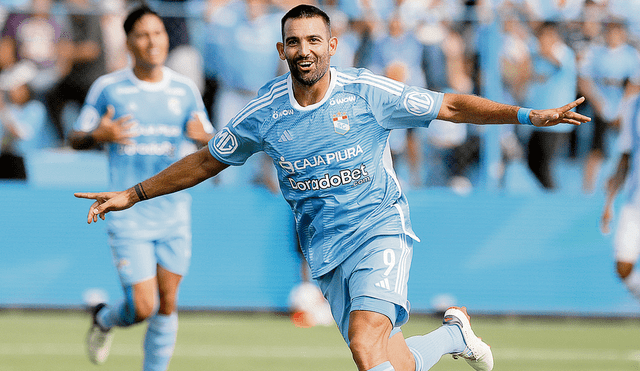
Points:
[[629, 142], [160, 112], [332, 158]]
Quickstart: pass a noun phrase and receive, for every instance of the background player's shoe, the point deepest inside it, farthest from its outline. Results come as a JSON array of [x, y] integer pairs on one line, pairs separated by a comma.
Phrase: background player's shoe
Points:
[[98, 340], [477, 354]]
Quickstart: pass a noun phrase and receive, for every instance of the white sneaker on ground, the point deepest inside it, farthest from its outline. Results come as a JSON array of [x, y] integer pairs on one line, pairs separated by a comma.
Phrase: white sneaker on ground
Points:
[[98, 339], [477, 354]]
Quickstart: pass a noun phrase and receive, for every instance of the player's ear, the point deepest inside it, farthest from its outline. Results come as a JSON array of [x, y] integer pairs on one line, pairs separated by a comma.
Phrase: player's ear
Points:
[[280, 47], [333, 45]]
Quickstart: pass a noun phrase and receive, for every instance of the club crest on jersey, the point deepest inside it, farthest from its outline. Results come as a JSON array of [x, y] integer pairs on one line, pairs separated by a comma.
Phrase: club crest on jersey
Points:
[[174, 106], [340, 123]]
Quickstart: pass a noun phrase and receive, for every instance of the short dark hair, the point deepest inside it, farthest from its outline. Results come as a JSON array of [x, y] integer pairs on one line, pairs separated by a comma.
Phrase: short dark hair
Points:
[[135, 15], [305, 11]]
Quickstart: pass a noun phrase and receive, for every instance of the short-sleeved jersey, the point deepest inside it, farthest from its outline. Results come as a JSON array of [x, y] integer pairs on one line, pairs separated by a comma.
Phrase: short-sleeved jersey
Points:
[[629, 142], [332, 158], [160, 112]]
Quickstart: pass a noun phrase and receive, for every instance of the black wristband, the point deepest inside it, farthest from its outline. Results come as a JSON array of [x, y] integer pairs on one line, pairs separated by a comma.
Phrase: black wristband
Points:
[[140, 192]]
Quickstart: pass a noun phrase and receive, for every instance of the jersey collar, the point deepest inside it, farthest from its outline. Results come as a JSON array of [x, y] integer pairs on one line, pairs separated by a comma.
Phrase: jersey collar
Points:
[[151, 86], [298, 107]]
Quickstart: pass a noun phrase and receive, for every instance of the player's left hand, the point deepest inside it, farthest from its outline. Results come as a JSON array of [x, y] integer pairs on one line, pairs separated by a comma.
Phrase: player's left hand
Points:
[[561, 115], [195, 130]]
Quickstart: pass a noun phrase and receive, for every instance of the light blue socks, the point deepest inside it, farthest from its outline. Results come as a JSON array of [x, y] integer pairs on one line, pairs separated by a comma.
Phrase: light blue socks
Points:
[[428, 349], [160, 341]]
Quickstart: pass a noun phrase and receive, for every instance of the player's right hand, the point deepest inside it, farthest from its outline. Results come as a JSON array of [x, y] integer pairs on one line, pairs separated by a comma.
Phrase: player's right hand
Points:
[[114, 131], [106, 202]]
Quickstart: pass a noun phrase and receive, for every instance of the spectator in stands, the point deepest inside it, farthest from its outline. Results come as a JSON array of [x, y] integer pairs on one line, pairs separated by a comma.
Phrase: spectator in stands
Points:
[[85, 59], [448, 149], [553, 80], [183, 57], [349, 39], [539, 11], [113, 36], [38, 37], [398, 55], [515, 58], [22, 120], [602, 75], [240, 52]]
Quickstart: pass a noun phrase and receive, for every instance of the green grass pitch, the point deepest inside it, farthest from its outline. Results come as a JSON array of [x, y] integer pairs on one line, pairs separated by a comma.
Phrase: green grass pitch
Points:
[[54, 340]]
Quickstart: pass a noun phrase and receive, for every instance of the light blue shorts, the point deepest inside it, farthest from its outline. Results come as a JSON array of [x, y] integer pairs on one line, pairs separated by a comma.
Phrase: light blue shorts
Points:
[[373, 278], [137, 259]]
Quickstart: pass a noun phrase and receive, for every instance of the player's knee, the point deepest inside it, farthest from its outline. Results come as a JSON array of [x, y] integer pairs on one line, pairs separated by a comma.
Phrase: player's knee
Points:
[[145, 308], [624, 269], [366, 347]]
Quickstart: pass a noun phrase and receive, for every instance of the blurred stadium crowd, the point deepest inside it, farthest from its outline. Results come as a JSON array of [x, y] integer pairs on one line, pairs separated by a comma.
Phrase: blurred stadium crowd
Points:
[[533, 53]]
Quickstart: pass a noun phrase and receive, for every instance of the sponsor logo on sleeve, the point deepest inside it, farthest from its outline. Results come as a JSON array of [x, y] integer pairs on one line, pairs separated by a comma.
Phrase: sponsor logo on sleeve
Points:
[[418, 103], [225, 142]]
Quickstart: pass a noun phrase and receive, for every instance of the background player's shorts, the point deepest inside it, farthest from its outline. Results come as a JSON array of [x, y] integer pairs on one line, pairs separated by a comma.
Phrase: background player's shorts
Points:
[[627, 239], [373, 278], [136, 259]]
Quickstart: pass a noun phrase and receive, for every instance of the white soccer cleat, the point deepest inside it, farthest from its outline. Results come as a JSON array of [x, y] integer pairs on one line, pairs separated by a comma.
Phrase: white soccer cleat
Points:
[[98, 340], [477, 354]]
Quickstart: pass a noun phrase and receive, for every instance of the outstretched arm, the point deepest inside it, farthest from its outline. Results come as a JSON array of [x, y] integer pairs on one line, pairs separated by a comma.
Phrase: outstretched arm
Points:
[[477, 110], [613, 186], [182, 174]]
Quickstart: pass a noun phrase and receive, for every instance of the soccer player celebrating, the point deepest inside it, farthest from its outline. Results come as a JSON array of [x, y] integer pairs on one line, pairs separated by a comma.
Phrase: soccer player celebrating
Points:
[[326, 130], [627, 238], [147, 117]]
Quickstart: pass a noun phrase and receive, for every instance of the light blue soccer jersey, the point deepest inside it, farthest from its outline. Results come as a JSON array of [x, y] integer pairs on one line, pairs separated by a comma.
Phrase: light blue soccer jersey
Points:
[[629, 142], [160, 112], [332, 158]]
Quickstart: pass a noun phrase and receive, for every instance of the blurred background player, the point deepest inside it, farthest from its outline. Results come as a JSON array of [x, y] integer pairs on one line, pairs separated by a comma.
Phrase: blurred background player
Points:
[[627, 237], [147, 117]]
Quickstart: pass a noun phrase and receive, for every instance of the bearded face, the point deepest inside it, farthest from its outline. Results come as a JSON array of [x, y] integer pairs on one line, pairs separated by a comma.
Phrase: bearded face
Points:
[[307, 48]]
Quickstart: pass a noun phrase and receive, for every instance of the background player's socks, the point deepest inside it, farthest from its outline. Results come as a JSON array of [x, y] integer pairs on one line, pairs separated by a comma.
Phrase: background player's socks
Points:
[[633, 283], [160, 341], [428, 349], [120, 315], [383, 367]]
